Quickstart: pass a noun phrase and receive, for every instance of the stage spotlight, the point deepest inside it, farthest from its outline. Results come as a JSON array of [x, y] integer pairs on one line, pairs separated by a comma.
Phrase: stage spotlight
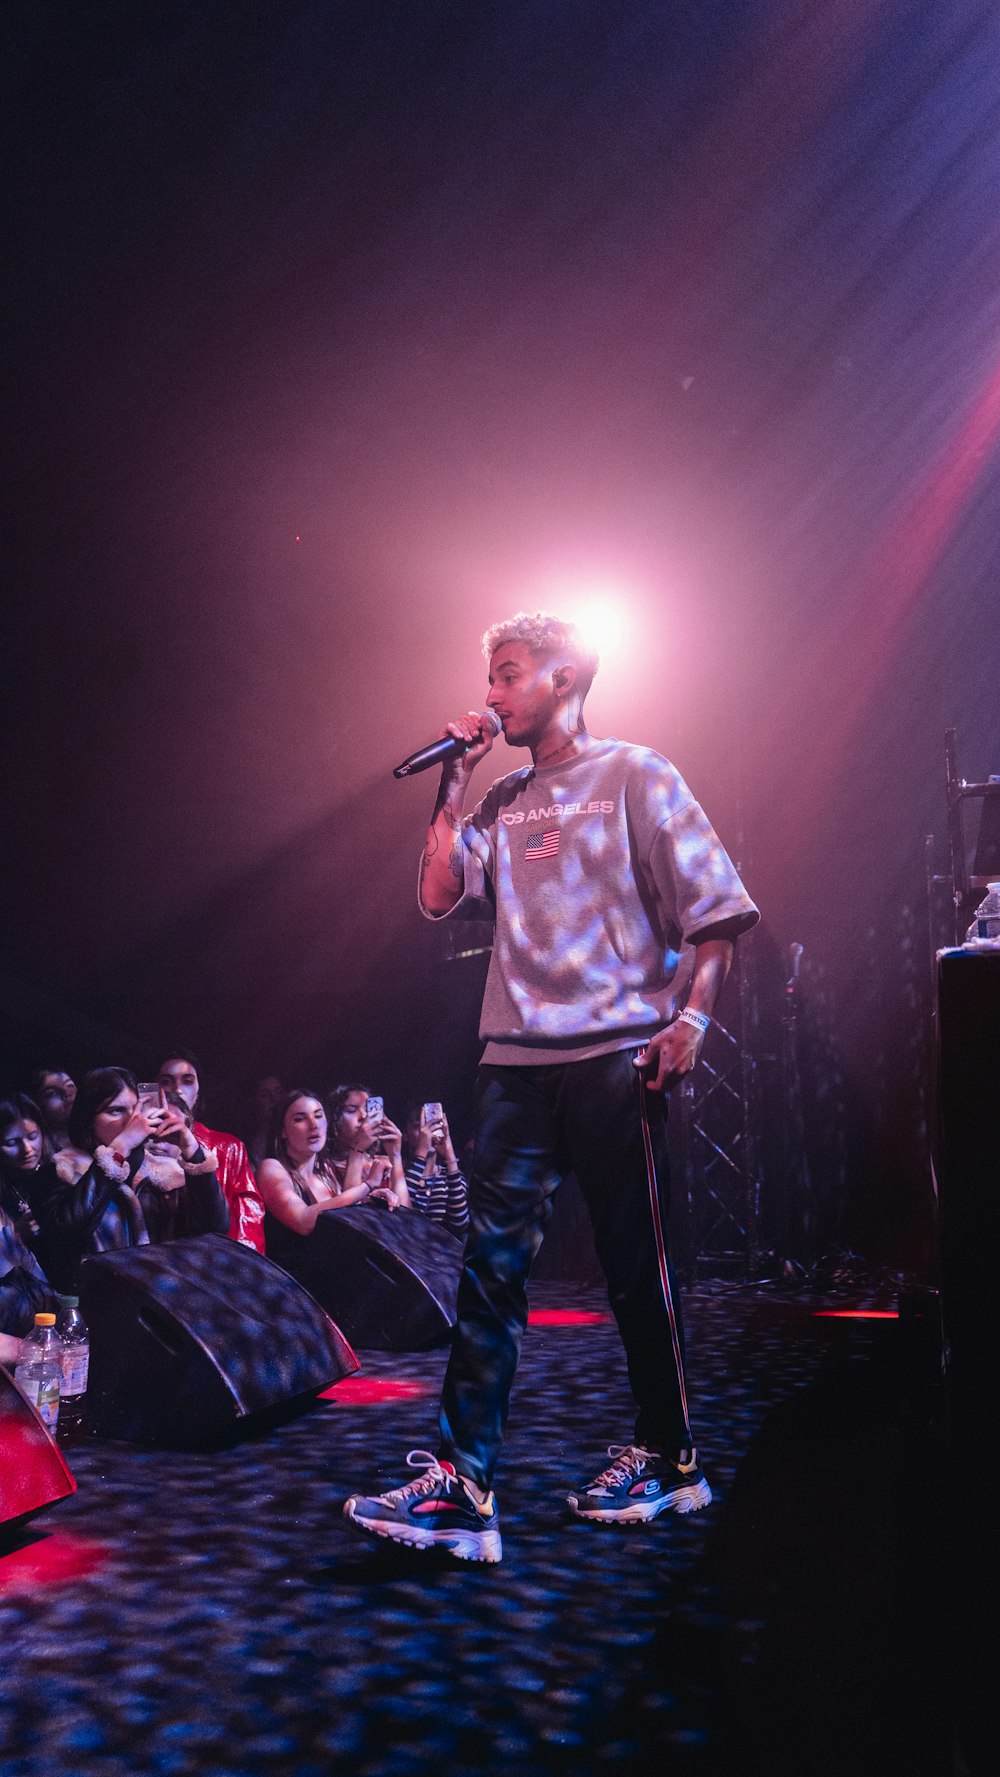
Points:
[[603, 626]]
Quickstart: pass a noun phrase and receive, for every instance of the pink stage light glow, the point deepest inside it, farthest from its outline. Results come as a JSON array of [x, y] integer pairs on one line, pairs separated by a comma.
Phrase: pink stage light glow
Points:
[[53, 1560], [868, 627], [603, 624], [565, 1317], [375, 1391], [600, 605], [855, 1314]]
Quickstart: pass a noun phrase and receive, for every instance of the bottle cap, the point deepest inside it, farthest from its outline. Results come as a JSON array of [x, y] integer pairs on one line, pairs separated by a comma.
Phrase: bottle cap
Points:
[[45, 1320], [70, 1301]]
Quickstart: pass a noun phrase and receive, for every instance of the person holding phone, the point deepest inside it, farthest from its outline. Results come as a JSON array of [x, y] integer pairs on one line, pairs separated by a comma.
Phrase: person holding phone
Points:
[[615, 911], [437, 1184], [359, 1126], [177, 1183], [301, 1178], [83, 1200], [181, 1072]]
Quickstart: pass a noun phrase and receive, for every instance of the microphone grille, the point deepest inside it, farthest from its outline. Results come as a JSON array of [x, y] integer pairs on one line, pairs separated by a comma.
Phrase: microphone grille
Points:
[[491, 722]]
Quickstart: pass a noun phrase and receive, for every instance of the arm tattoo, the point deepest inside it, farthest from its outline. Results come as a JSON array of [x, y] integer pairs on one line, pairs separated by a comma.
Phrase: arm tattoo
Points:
[[454, 821], [432, 844], [430, 847]]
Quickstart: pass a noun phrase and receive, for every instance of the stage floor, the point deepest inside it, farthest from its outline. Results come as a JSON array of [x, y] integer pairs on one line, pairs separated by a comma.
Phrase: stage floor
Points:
[[215, 1614]]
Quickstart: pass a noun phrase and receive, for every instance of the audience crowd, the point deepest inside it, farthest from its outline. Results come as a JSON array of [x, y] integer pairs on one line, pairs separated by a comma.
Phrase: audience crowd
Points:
[[107, 1162]]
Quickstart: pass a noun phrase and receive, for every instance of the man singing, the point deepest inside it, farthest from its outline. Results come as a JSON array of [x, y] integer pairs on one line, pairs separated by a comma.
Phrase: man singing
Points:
[[597, 865]]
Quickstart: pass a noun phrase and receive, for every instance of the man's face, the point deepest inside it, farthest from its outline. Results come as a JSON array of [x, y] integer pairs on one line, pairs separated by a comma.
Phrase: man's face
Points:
[[179, 1076], [521, 692]]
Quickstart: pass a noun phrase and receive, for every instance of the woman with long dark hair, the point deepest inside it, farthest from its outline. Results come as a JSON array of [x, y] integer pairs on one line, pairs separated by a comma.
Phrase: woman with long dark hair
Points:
[[301, 1179], [83, 1200], [24, 1144], [354, 1130], [24, 1289], [88, 1200], [24, 1147]]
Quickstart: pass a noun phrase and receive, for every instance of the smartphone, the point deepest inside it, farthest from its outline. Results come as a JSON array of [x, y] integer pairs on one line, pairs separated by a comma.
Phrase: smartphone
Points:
[[376, 1109], [432, 1113], [150, 1095]]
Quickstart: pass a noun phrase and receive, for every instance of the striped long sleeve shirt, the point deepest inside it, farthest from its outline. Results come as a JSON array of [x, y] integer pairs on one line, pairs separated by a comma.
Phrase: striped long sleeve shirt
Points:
[[442, 1195]]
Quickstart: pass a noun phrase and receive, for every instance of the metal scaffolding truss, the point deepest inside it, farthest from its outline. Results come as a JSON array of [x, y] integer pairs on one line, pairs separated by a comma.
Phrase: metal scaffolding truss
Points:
[[715, 1148]]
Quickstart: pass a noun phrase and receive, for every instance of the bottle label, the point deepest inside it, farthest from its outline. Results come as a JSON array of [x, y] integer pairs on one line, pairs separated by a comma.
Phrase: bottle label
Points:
[[76, 1364], [47, 1402]]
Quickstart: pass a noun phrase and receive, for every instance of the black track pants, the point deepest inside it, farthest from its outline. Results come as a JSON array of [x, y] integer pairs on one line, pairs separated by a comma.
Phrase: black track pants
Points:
[[535, 1124]]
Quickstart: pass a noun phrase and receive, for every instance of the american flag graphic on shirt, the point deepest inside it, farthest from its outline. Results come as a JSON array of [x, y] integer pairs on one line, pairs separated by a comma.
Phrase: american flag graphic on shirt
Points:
[[542, 845]]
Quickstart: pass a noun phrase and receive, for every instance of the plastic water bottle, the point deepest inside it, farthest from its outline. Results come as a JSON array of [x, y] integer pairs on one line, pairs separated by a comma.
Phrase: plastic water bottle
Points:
[[986, 919], [38, 1373], [72, 1330]]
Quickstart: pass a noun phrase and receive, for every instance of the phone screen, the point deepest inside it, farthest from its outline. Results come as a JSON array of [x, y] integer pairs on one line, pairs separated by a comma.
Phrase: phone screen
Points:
[[376, 1108]]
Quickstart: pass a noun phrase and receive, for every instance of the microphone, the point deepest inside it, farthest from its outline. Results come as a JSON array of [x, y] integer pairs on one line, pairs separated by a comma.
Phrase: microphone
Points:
[[449, 748]]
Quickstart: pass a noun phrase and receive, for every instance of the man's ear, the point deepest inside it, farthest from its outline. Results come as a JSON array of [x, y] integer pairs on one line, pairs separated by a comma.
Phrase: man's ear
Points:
[[564, 680]]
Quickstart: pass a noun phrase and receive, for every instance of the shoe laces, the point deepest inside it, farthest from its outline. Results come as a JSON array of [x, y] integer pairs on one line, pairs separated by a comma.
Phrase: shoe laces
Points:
[[628, 1461], [425, 1483]]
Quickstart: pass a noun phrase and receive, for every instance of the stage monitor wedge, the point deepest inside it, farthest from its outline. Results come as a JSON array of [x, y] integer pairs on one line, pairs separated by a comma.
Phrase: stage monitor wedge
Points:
[[192, 1340], [389, 1279]]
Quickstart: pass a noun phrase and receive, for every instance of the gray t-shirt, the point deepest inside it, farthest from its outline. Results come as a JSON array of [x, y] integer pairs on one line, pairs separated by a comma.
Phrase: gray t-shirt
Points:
[[597, 873]]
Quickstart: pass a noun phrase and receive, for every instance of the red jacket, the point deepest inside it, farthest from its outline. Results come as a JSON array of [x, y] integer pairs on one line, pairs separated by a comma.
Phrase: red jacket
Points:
[[235, 1175]]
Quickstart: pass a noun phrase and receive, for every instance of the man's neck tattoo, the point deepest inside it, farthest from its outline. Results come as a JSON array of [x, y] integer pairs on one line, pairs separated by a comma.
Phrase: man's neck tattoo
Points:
[[565, 746]]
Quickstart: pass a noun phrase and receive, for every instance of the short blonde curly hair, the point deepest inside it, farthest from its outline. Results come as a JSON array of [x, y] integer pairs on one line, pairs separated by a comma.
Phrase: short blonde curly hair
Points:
[[545, 633]]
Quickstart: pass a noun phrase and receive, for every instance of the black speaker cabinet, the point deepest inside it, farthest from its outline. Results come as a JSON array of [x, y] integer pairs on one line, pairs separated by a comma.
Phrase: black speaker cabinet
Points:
[[969, 1182], [189, 1340], [390, 1280], [969, 1185], [32, 1471]]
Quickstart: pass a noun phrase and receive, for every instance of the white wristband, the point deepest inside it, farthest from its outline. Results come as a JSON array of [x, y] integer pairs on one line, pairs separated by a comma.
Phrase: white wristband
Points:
[[700, 1020]]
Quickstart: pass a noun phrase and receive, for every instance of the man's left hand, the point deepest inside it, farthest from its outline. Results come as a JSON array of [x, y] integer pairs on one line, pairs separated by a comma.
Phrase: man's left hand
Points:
[[669, 1055]]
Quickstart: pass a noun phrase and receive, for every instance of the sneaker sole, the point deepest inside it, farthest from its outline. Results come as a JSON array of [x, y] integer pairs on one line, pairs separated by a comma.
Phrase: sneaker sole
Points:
[[684, 1499], [465, 1545]]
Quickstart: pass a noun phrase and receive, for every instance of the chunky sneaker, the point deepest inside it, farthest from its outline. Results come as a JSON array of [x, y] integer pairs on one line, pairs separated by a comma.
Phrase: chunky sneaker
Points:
[[639, 1485], [436, 1511]]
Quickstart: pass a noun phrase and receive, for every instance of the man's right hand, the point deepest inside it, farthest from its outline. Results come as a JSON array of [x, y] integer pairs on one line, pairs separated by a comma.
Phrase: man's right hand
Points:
[[469, 728]]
